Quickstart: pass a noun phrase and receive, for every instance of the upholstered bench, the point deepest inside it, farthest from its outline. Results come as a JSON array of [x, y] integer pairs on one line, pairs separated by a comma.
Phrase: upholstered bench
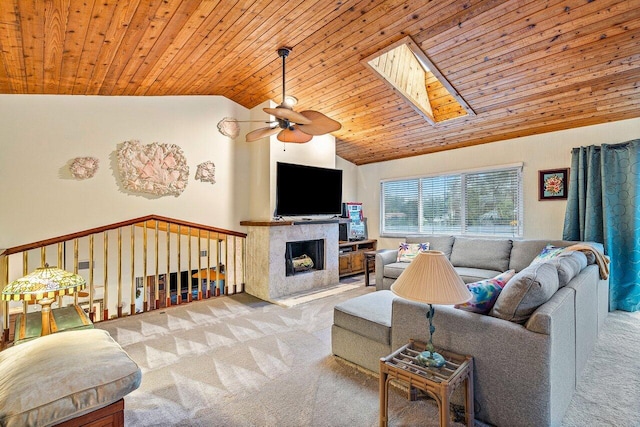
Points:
[[362, 328], [60, 377]]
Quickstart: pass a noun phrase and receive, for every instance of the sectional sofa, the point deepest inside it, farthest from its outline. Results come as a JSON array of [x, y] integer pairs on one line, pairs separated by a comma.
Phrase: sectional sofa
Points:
[[526, 369]]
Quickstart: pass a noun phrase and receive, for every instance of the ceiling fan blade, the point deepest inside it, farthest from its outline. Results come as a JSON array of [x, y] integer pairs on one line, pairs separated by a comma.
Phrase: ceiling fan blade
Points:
[[261, 133], [294, 135], [320, 124], [287, 114]]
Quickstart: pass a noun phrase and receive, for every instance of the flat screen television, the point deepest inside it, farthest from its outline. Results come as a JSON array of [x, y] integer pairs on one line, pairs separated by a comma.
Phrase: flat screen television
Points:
[[307, 190]]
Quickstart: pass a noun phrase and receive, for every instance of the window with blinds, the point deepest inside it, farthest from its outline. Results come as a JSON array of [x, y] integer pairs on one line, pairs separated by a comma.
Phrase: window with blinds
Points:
[[474, 203]]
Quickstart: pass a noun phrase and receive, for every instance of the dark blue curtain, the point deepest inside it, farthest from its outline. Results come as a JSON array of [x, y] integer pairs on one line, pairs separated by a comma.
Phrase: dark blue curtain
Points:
[[603, 205]]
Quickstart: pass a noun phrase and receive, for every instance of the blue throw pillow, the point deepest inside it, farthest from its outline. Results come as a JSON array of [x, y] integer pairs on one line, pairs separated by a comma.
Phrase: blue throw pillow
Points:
[[485, 293]]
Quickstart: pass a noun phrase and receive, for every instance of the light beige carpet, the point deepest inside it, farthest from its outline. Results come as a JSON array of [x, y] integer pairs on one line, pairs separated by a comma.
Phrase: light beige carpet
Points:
[[608, 394], [238, 361]]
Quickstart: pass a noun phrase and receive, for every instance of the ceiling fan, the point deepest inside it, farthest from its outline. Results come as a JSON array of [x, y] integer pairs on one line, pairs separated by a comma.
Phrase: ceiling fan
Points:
[[290, 125]]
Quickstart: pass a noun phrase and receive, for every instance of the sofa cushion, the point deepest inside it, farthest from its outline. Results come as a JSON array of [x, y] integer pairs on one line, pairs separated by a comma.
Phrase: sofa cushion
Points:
[[485, 293], [408, 251], [395, 269], [489, 254], [525, 292], [524, 251], [436, 243], [61, 376], [470, 274], [367, 315], [568, 264]]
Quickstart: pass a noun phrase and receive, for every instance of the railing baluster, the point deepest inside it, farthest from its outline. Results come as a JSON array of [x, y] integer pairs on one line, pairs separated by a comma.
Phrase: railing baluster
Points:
[[157, 276], [199, 266], [119, 284], [244, 262], [144, 273], [209, 265], [75, 268], [92, 313], [105, 270], [233, 263], [219, 265], [167, 279], [132, 305], [4, 281], [179, 275], [226, 264], [25, 271], [190, 295]]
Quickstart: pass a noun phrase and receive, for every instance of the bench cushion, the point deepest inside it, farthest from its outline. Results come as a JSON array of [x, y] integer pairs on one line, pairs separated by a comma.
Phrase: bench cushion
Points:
[[57, 377], [367, 315]]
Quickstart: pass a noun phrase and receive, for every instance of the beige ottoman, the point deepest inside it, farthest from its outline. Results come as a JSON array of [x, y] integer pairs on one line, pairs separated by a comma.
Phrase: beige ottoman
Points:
[[63, 376]]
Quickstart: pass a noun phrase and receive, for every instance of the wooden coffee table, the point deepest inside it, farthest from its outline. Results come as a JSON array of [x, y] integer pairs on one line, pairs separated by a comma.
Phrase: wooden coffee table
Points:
[[438, 383]]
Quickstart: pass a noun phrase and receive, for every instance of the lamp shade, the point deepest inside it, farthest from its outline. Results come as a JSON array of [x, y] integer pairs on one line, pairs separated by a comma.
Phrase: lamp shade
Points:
[[430, 278], [44, 282]]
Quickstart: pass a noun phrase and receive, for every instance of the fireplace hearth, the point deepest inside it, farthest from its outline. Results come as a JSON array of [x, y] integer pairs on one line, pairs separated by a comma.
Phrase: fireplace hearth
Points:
[[304, 256]]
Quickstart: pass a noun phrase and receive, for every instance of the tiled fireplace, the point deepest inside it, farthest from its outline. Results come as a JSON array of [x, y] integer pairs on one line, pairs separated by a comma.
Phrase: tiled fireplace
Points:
[[271, 247]]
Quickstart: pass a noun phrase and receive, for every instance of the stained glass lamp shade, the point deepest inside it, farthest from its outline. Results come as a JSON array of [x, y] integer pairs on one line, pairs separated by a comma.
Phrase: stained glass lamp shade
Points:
[[431, 279], [43, 286]]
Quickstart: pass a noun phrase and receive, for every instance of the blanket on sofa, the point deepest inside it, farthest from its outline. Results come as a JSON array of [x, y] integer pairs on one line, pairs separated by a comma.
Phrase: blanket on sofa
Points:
[[601, 260]]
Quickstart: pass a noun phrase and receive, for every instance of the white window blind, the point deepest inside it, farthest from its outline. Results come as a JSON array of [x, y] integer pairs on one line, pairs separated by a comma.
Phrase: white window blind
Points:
[[473, 203]]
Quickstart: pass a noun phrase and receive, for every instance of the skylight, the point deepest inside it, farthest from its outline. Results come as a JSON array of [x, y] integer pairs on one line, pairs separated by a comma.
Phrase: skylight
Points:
[[405, 67]]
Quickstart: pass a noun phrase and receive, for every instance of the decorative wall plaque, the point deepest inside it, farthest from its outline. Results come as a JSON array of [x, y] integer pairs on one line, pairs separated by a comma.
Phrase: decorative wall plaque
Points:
[[206, 172], [159, 169], [84, 167], [229, 127]]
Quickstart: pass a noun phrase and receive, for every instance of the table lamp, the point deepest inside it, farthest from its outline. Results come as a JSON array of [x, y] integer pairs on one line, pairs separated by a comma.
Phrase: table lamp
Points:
[[43, 286], [430, 278]]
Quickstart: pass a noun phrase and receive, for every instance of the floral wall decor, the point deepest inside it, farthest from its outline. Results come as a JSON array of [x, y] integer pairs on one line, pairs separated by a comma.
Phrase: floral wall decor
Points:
[[159, 169], [229, 127], [206, 172], [553, 184], [84, 167]]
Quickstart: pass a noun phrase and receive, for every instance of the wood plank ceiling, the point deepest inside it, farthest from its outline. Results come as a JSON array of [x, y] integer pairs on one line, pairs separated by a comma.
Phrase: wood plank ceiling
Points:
[[524, 66]]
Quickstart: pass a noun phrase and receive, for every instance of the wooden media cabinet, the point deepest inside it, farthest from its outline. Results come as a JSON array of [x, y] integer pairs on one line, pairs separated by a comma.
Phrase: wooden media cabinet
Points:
[[351, 257]]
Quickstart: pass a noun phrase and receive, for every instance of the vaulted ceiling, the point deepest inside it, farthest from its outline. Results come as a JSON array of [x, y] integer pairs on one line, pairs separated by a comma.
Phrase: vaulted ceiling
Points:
[[523, 66]]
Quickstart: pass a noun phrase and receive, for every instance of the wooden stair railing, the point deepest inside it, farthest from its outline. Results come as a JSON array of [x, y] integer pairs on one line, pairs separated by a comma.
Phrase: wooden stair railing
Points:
[[151, 265]]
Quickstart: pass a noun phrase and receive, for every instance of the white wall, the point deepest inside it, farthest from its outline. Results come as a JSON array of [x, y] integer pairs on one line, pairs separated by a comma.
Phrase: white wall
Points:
[[41, 134], [542, 219], [349, 180]]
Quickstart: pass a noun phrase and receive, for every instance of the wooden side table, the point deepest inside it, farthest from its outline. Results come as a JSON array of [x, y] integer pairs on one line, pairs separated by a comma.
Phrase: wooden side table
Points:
[[369, 260], [439, 383]]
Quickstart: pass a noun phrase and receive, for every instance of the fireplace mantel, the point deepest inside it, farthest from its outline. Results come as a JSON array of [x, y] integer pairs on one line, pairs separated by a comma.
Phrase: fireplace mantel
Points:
[[266, 248], [288, 222]]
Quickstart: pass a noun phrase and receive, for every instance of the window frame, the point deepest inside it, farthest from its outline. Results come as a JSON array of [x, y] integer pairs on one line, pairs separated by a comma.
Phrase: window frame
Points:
[[517, 230]]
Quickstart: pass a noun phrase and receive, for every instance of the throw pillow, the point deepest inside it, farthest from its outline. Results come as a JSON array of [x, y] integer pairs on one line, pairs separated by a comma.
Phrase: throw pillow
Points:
[[568, 264], [485, 293], [525, 292], [549, 252], [408, 251]]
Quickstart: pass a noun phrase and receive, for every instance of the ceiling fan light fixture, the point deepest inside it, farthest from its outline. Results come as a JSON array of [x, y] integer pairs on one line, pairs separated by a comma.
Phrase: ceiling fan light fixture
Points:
[[291, 125], [290, 101]]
